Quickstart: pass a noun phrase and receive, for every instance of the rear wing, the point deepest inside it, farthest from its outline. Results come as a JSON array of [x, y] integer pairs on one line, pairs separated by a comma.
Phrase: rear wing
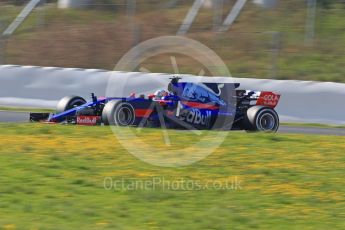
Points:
[[268, 99]]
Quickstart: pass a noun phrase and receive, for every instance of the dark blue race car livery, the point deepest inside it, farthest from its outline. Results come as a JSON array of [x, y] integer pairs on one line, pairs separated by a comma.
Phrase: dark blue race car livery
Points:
[[184, 105]]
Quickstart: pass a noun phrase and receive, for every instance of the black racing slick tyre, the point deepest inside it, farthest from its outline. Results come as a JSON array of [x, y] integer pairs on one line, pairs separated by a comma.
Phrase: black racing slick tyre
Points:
[[69, 102], [262, 119], [118, 113]]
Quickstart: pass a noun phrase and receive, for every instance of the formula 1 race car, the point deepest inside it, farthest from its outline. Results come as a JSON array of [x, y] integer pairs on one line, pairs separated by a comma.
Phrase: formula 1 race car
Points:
[[184, 105]]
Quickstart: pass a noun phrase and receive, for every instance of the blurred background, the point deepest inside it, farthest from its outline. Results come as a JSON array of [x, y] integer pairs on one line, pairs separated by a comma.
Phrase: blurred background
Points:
[[296, 39]]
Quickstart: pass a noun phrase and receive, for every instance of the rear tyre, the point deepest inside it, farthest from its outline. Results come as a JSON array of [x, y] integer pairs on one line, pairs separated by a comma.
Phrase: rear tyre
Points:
[[69, 102], [118, 113], [262, 119]]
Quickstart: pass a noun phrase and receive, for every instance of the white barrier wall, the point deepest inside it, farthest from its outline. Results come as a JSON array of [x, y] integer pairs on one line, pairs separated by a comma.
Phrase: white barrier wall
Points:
[[73, 3], [301, 101]]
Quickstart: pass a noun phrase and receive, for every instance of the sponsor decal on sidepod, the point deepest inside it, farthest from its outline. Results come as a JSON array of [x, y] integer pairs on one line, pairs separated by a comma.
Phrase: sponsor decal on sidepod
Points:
[[194, 116], [87, 120]]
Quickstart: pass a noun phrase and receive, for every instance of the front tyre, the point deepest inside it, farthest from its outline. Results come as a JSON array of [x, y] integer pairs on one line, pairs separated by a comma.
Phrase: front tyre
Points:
[[262, 119], [118, 113]]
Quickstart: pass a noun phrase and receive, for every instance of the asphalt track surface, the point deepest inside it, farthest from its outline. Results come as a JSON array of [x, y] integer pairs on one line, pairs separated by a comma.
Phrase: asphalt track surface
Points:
[[22, 117], [10, 116]]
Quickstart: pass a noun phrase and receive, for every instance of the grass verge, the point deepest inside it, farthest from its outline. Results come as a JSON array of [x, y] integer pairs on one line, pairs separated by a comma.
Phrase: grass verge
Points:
[[53, 177], [315, 125]]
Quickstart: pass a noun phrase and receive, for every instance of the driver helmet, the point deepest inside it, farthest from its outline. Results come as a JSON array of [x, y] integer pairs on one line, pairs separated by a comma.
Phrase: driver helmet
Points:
[[159, 94]]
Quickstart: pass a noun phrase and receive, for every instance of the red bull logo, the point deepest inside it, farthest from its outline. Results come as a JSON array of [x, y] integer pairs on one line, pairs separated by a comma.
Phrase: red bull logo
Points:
[[87, 120], [195, 116]]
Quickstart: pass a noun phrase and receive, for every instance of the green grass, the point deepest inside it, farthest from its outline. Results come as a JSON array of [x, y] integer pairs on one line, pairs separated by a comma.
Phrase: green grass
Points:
[[52, 178], [316, 125]]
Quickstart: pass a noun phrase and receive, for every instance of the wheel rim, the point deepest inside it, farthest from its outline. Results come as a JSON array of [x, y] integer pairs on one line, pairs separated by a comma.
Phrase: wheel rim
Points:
[[124, 116], [267, 122]]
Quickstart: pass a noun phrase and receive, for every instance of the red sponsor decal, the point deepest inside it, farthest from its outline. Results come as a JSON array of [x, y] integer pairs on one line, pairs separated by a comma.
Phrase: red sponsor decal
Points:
[[268, 99], [143, 112], [87, 120], [199, 105]]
